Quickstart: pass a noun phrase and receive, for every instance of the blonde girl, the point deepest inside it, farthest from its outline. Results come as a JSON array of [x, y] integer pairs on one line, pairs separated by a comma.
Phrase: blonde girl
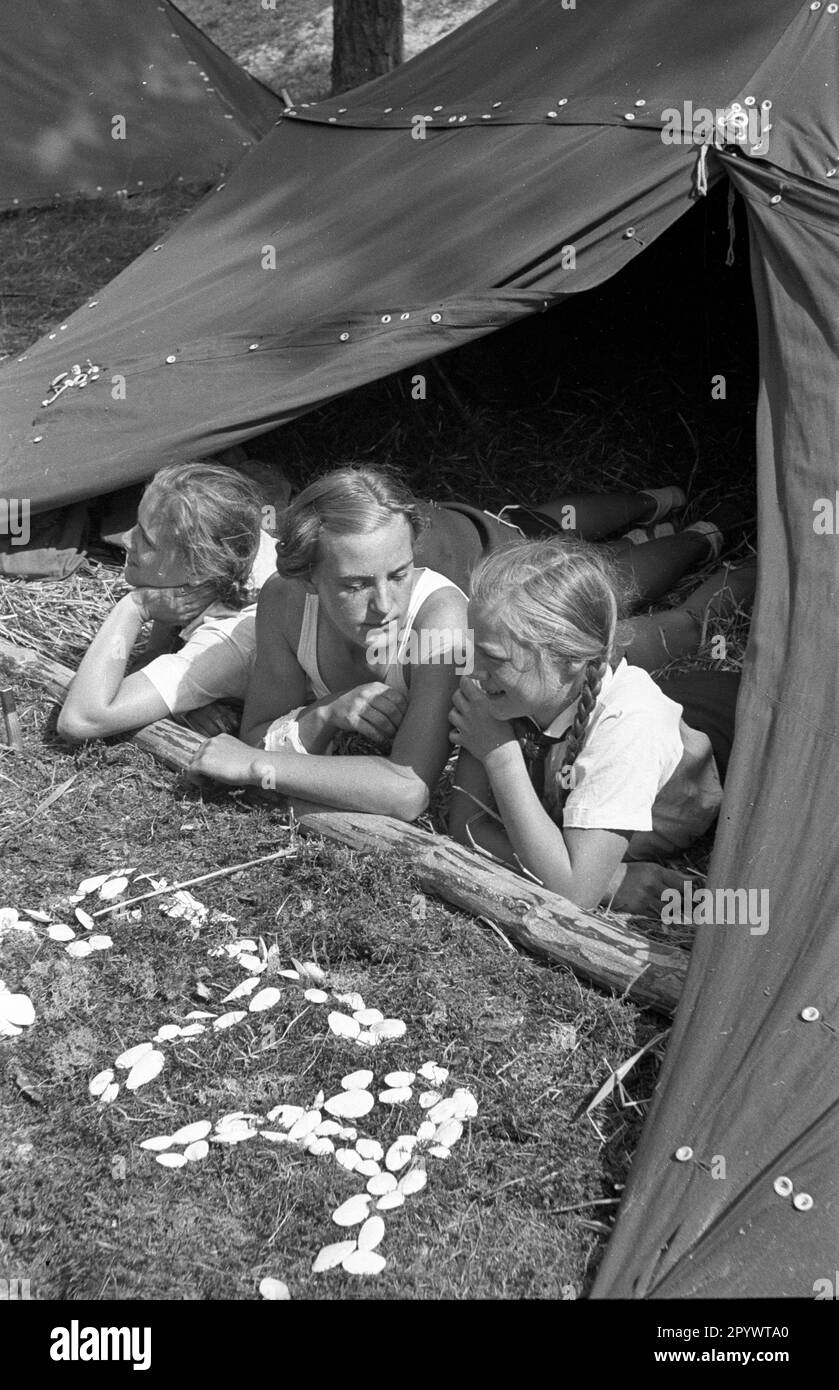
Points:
[[586, 760], [350, 636]]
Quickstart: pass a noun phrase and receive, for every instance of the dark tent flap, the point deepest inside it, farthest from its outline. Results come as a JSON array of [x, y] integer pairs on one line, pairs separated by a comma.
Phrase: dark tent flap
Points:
[[364, 222], [98, 95]]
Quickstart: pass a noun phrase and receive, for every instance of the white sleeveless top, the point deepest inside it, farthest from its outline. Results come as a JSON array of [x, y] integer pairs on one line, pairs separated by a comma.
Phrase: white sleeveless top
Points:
[[426, 583]]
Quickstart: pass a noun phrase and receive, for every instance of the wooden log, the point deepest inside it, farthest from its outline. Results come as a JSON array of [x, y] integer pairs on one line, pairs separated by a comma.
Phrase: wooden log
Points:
[[607, 954]]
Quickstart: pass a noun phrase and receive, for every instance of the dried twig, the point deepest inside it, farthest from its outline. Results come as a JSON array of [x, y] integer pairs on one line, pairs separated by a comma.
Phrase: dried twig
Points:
[[191, 882]]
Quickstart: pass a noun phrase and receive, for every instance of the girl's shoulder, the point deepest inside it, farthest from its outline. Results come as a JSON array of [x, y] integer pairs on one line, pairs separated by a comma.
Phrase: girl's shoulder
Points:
[[436, 599], [281, 604]]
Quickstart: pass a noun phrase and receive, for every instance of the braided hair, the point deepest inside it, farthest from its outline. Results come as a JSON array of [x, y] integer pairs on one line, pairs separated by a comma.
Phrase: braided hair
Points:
[[559, 600]]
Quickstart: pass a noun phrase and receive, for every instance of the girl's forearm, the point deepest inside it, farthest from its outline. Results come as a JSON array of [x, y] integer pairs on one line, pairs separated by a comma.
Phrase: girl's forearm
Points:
[[535, 839], [356, 783], [102, 670]]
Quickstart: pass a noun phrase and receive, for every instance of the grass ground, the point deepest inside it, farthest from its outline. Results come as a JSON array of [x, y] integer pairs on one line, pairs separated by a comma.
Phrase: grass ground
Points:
[[609, 392]]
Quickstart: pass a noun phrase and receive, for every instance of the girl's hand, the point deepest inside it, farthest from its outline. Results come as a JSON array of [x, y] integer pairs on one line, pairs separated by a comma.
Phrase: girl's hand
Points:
[[215, 718], [226, 760], [474, 726], [175, 607], [638, 888], [375, 710]]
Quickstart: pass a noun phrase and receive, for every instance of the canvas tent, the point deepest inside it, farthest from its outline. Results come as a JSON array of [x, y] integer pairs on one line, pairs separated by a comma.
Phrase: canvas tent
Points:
[[542, 129], [70, 70]]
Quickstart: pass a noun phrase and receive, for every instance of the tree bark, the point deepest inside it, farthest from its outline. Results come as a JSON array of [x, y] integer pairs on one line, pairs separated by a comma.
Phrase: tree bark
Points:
[[367, 38], [609, 955]]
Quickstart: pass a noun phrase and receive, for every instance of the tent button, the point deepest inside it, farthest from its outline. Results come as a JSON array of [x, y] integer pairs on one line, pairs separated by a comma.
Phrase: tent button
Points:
[[386, 318], [776, 198], [684, 1154], [436, 318], [438, 108], [332, 120], [344, 337], [552, 113], [93, 303], [783, 1187], [171, 359], [629, 115], [252, 347], [630, 232], [802, 1201], [37, 439], [158, 248], [810, 1014], [749, 101], [816, 5], [829, 173], [640, 102]]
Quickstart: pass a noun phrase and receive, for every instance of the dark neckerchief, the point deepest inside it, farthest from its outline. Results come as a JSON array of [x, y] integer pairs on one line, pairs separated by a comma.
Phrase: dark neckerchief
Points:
[[535, 747]]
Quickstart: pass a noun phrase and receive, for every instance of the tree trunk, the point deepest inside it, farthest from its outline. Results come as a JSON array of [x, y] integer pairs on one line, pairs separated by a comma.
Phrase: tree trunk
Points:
[[367, 40], [610, 955]]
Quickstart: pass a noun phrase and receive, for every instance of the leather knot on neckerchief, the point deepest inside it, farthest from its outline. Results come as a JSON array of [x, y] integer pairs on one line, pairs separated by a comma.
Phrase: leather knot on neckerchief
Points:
[[536, 748]]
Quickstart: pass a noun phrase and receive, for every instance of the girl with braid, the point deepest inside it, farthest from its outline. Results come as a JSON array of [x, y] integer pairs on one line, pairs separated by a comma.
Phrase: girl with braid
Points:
[[575, 767]]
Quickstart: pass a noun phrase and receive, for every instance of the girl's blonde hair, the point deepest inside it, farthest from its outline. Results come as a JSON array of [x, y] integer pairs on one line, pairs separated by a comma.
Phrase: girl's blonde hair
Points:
[[559, 600], [215, 515], [348, 501]]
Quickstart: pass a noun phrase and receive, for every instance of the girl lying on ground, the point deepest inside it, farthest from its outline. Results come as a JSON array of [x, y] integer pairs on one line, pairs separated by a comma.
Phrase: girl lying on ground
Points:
[[346, 606], [197, 558], [586, 759]]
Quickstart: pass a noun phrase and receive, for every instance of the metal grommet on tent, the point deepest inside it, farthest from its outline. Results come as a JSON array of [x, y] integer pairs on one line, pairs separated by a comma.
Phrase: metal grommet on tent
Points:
[[63, 327], [437, 108], [783, 1187], [629, 115], [93, 303], [343, 337], [802, 1201], [462, 118], [810, 1014], [816, 5], [171, 358], [829, 173], [749, 101], [51, 336], [487, 116], [436, 318], [563, 101], [683, 1154], [766, 105], [452, 118], [332, 120], [553, 113], [640, 102], [629, 233], [342, 110], [404, 316], [159, 247], [776, 198], [495, 105], [386, 318], [831, 9], [37, 438], [252, 347], [388, 110]]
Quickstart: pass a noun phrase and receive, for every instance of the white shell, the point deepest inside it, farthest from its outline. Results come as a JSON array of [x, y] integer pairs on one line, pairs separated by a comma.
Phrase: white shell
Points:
[[372, 1233], [398, 1079], [234, 1133], [192, 1030], [369, 1167], [275, 1290], [370, 1148], [399, 1096], [315, 996], [309, 1121], [113, 887], [187, 1134], [400, 1152], [363, 1262], [367, 1017], [126, 1060], [353, 1211], [367, 1039], [253, 963], [313, 971], [100, 1081], [9, 1030], [17, 1009], [287, 1115], [390, 1028], [328, 1127], [38, 916], [90, 885], [157, 1142], [413, 1181], [426, 1131], [245, 943], [349, 1105], [348, 1158], [199, 1013], [167, 1032], [448, 1133], [274, 1136], [289, 974], [438, 1076], [171, 1160], [442, 1111], [467, 1105], [234, 1116], [246, 987], [109, 1094], [196, 1151], [390, 1201], [79, 949], [317, 1103], [343, 1025], [348, 1133], [382, 1183], [227, 1020], [353, 1002], [60, 931], [100, 943], [265, 999], [332, 1255], [319, 1145], [440, 1151], [145, 1070], [429, 1098]]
